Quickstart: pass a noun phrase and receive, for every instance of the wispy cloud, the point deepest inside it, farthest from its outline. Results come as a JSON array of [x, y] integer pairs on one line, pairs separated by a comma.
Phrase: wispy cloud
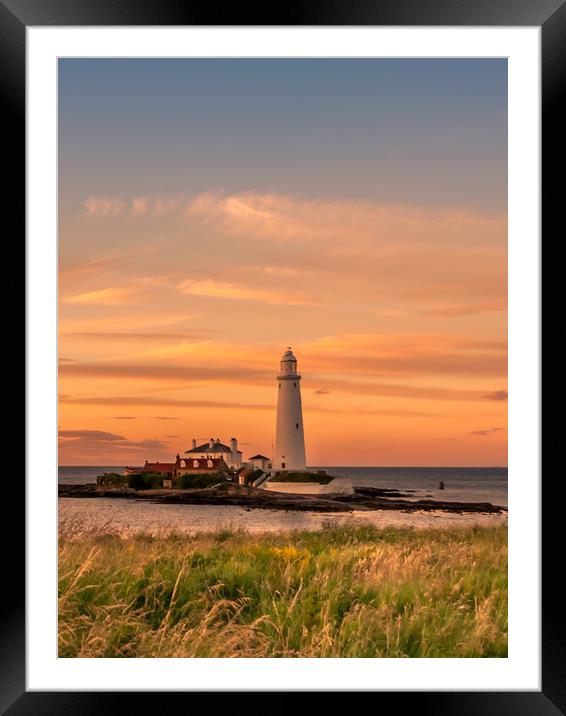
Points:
[[437, 262], [140, 206], [136, 207], [285, 271], [407, 354], [390, 309], [337, 373], [134, 337], [104, 296], [95, 438], [103, 206], [497, 395], [148, 401], [211, 288], [221, 374], [97, 445], [285, 217], [485, 433], [98, 435], [469, 309]]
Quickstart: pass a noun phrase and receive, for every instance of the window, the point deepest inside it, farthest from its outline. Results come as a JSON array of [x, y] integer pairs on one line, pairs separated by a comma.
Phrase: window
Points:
[[297, 425], [283, 464], [279, 386], [294, 385]]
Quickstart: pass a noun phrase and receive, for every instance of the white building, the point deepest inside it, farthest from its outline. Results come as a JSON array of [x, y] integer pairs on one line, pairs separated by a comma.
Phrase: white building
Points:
[[215, 449], [259, 462], [289, 434]]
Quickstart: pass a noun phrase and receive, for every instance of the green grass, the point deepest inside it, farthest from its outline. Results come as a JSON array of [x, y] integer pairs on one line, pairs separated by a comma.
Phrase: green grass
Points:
[[339, 592]]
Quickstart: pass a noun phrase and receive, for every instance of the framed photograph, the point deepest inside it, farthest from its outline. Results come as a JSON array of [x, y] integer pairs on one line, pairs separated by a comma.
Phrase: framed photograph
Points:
[[283, 352]]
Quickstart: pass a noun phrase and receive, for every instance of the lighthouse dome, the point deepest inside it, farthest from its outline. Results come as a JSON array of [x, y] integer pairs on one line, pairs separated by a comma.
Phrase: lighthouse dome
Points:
[[288, 364], [288, 355]]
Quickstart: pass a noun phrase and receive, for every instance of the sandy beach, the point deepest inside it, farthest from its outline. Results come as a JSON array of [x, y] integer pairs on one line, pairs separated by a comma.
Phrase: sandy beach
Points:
[[128, 517]]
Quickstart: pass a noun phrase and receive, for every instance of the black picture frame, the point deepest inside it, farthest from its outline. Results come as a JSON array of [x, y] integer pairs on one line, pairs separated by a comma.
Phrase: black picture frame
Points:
[[550, 15]]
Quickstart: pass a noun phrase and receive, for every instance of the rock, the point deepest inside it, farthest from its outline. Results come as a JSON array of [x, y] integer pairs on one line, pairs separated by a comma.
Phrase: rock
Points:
[[363, 498]]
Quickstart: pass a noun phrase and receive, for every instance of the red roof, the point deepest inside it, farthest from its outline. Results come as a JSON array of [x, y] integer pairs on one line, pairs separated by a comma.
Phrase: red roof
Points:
[[159, 467]]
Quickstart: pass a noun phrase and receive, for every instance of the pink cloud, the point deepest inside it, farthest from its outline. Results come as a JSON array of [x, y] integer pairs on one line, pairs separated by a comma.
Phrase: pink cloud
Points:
[[103, 206], [211, 288], [140, 206]]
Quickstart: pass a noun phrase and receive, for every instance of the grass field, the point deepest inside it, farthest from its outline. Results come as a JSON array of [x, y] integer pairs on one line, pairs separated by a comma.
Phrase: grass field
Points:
[[339, 592]]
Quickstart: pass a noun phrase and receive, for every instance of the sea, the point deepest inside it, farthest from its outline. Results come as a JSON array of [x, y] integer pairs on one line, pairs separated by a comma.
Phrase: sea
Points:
[[461, 484]]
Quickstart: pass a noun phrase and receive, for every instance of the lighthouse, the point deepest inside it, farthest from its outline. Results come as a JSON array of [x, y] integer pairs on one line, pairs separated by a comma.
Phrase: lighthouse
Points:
[[289, 434]]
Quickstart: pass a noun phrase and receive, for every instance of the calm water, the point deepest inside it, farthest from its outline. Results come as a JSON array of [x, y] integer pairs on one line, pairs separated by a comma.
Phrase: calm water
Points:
[[467, 484], [471, 484], [84, 474]]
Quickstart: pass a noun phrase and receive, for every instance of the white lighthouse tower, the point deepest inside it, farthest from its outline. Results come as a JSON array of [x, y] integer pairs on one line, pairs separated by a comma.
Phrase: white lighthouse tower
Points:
[[289, 434]]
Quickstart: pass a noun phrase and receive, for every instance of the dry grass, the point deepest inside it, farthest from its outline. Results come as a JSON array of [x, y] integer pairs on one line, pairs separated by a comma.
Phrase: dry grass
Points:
[[339, 592]]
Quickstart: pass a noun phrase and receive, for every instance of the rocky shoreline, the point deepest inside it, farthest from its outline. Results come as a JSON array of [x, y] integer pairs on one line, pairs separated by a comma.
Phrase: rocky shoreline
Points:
[[362, 499]]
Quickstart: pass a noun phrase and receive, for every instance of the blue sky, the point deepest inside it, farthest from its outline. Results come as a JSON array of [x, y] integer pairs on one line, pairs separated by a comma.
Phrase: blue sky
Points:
[[411, 131]]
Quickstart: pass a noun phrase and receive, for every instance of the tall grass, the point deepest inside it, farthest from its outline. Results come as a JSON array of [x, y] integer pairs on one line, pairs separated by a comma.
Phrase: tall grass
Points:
[[339, 592]]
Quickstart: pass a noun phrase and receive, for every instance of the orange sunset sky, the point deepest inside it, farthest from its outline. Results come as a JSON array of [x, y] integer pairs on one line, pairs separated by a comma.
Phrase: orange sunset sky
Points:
[[214, 212]]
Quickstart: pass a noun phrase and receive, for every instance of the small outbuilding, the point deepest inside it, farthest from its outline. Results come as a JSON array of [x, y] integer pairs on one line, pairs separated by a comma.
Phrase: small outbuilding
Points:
[[260, 462]]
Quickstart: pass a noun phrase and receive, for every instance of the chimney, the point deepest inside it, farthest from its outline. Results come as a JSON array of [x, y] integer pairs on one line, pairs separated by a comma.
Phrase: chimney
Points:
[[194, 443], [234, 446], [211, 442]]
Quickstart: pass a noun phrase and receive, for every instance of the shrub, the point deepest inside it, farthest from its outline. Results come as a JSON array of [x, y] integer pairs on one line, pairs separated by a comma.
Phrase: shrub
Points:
[[146, 481], [250, 479], [199, 480], [112, 479]]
